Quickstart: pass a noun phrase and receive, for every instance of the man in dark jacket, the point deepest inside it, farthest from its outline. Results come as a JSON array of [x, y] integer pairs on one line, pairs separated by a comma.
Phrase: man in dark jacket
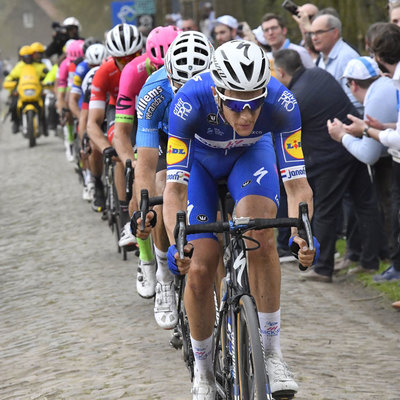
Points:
[[331, 170]]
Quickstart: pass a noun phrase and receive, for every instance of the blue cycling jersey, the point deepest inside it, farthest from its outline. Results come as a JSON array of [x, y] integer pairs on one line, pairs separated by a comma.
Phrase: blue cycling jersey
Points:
[[153, 109], [80, 72], [194, 124]]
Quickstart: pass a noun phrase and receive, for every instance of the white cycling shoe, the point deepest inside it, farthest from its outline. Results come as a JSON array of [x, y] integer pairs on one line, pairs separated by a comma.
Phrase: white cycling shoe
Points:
[[165, 311], [127, 239], [146, 279], [204, 387], [280, 378]]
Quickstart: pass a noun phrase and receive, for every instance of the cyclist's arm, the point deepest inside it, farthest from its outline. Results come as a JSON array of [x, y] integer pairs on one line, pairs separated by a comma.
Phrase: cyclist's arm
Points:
[[122, 141], [95, 121], [73, 102], [175, 199], [82, 126], [145, 171]]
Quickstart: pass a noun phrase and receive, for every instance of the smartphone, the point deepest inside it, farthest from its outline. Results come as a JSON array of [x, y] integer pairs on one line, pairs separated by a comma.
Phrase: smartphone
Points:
[[290, 6]]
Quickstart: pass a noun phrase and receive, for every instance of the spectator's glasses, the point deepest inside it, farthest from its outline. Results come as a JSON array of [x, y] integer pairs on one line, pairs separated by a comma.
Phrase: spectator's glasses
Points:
[[238, 106], [320, 32], [348, 83], [126, 59]]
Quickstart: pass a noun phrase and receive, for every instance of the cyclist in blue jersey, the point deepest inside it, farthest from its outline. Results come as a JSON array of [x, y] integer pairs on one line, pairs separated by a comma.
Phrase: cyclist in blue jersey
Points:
[[191, 52], [221, 125]]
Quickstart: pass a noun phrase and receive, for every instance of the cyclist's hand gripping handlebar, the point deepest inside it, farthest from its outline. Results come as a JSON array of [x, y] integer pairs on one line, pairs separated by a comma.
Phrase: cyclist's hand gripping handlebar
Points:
[[304, 231]]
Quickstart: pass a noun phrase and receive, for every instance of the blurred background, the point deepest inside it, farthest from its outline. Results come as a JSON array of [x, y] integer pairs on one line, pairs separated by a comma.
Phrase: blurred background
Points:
[[22, 21]]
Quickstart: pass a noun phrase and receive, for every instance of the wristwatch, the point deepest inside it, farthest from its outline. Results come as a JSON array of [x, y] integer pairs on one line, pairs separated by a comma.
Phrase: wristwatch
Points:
[[365, 132]]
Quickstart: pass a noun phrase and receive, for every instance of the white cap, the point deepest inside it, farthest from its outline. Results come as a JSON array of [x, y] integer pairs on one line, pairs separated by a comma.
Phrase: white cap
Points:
[[259, 34], [361, 68], [228, 20]]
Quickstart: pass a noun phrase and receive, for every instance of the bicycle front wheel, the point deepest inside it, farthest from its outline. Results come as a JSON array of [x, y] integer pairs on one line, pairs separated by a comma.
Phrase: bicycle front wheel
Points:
[[252, 374]]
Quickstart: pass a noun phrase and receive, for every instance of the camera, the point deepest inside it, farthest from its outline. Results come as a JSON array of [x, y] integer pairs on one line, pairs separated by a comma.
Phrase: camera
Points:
[[290, 6]]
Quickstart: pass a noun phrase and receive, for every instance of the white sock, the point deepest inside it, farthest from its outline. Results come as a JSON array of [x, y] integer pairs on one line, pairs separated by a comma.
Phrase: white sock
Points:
[[203, 355], [270, 325], [87, 176], [163, 274]]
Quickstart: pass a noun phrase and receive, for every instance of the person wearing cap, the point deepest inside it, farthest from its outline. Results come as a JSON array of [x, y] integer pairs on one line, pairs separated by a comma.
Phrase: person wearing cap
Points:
[[275, 32], [379, 98], [386, 49], [225, 29], [331, 169]]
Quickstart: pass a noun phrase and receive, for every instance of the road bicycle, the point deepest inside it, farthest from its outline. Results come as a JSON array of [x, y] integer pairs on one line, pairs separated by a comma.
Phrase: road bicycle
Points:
[[239, 361], [112, 211], [180, 339]]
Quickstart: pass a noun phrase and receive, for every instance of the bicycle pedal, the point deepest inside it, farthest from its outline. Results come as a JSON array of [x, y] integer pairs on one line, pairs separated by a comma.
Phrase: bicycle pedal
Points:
[[132, 247], [176, 342]]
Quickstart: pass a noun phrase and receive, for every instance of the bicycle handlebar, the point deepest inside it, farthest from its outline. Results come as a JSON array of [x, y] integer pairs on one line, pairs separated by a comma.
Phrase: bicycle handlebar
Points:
[[145, 204], [238, 225], [128, 179]]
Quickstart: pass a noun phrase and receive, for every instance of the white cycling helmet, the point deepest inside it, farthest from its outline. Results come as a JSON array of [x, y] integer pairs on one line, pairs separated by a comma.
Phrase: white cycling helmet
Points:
[[240, 65], [71, 21], [95, 54], [189, 54], [124, 40]]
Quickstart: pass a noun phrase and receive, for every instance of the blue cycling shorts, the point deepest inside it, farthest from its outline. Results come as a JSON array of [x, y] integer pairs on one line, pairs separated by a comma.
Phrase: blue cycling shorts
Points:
[[248, 171]]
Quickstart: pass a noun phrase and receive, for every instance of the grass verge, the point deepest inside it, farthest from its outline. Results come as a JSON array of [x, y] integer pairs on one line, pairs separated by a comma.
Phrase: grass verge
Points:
[[390, 289]]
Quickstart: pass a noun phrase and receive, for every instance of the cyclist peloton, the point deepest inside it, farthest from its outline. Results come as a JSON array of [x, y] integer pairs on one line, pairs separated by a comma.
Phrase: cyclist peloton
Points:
[[189, 54], [124, 42], [95, 54], [219, 127], [132, 79]]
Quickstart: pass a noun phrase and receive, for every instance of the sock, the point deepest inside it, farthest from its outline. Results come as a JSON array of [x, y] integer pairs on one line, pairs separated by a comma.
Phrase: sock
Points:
[[270, 325], [87, 176], [163, 274], [145, 250], [203, 355]]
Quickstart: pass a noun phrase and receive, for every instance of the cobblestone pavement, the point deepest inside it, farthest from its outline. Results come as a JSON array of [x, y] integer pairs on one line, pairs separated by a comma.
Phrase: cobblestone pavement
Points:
[[72, 326]]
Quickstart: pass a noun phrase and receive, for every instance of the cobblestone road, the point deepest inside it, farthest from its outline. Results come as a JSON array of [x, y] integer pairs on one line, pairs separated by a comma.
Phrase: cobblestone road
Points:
[[72, 326]]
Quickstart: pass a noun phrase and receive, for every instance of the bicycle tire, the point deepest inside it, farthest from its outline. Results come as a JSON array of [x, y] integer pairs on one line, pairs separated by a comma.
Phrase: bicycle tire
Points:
[[222, 356], [253, 379], [30, 122]]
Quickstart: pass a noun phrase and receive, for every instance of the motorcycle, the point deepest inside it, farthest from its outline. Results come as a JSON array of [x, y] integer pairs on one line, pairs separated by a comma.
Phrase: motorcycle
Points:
[[29, 103]]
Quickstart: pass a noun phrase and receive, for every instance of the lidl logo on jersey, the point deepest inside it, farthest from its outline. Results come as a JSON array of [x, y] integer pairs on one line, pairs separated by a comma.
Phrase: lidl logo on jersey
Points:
[[77, 81], [292, 145], [177, 151]]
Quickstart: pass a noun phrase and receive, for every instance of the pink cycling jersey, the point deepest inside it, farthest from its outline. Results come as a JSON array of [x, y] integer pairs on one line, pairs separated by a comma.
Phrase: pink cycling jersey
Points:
[[132, 79], [63, 74]]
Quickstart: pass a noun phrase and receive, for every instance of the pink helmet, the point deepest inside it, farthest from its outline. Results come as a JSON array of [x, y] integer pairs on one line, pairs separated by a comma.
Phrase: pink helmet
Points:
[[75, 49], [158, 41]]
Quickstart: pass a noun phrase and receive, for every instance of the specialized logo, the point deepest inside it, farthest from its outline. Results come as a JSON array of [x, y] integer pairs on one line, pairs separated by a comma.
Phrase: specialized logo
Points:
[[240, 264], [182, 109], [177, 151], [122, 98], [293, 173], [260, 174], [287, 100], [202, 218], [292, 145]]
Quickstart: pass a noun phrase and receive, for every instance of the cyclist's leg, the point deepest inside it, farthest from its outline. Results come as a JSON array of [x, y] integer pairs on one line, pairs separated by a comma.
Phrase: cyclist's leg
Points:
[[165, 312], [259, 198], [199, 294]]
